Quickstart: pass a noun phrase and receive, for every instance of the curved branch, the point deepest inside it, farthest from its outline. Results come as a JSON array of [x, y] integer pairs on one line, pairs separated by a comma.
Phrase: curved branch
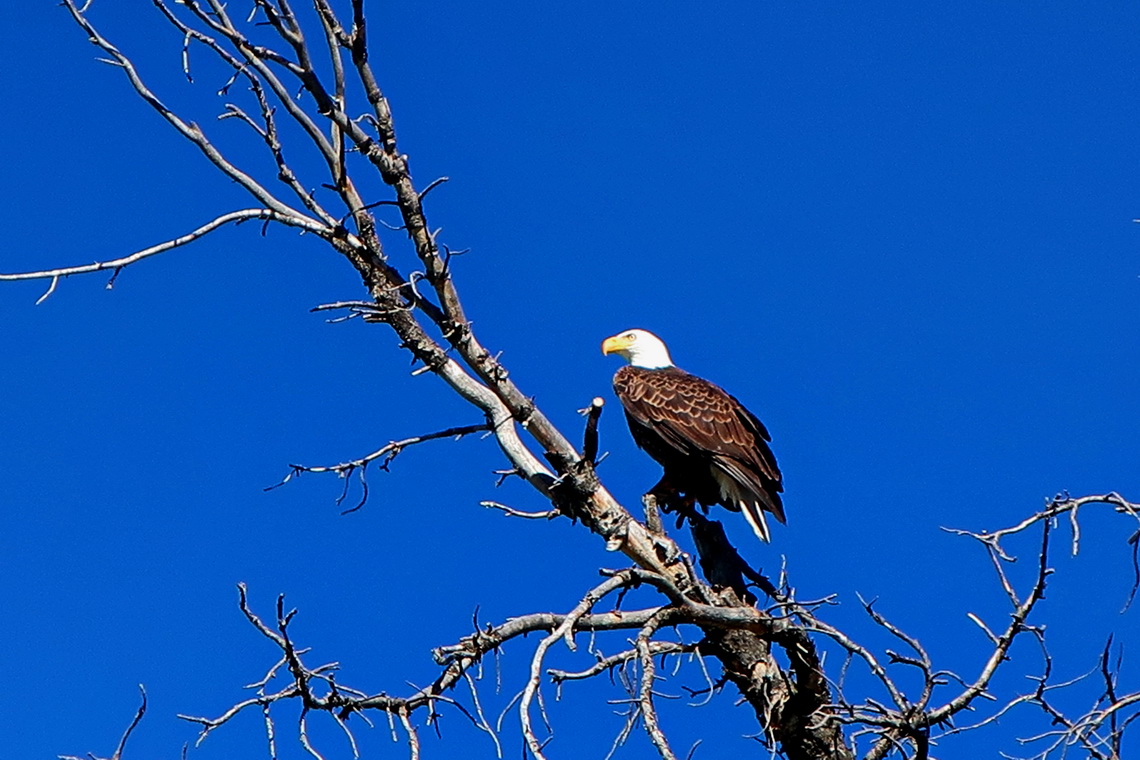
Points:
[[118, 754], [189, 130], [645, 692], [293, 219], [565, 630], [388, 452]]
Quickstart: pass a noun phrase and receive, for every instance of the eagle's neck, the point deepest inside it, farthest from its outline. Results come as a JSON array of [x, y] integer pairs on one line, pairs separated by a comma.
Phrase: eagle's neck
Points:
[[650, 356]]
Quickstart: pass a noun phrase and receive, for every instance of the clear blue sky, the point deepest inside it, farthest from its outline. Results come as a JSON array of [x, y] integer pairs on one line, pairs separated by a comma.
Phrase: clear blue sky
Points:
[[902, 234]]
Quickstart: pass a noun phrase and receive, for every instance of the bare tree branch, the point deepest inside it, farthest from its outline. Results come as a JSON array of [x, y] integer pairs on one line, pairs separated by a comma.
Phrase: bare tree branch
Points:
[[388, 452], [118, 754], [237, 217]]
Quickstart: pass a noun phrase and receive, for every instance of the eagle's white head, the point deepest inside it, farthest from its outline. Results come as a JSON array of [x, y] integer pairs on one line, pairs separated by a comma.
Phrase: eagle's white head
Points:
[[642, 349]]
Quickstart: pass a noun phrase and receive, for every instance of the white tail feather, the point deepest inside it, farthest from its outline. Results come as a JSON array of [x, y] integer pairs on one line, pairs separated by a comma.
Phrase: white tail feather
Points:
[[754, 514], [731, 491]]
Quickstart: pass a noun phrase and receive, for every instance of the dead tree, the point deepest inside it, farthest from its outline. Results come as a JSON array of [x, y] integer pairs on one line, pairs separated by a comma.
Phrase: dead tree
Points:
[[770, 652]]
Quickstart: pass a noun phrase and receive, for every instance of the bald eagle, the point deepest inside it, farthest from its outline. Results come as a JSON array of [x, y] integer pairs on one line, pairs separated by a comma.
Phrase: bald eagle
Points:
[[713, 450]]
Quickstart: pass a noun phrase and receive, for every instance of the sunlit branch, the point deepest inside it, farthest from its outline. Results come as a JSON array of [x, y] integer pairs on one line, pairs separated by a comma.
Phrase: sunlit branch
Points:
[[388, 452], [118, 754], [648, 681], [291, 220], [189, 130]]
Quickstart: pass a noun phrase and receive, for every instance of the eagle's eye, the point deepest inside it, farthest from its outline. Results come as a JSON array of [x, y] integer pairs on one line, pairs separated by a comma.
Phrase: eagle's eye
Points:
[[631, 336]]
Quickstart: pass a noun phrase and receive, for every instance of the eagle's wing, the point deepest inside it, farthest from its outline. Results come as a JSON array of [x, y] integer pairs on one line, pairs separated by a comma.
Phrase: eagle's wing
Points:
[[697, 418]]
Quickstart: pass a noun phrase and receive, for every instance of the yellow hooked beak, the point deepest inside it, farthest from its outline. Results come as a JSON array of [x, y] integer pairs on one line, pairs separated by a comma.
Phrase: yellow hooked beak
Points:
[[618, 344]]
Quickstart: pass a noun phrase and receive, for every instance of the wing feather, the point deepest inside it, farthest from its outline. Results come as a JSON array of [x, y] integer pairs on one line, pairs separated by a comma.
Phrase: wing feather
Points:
[[696, 418]]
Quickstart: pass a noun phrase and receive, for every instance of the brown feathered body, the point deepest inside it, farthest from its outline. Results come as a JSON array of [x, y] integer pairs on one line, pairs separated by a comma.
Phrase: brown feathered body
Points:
[[713, 450]]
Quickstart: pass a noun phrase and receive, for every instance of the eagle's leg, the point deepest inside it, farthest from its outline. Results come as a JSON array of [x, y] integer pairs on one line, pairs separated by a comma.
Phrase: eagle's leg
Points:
[[666, 494], [670, 499]]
